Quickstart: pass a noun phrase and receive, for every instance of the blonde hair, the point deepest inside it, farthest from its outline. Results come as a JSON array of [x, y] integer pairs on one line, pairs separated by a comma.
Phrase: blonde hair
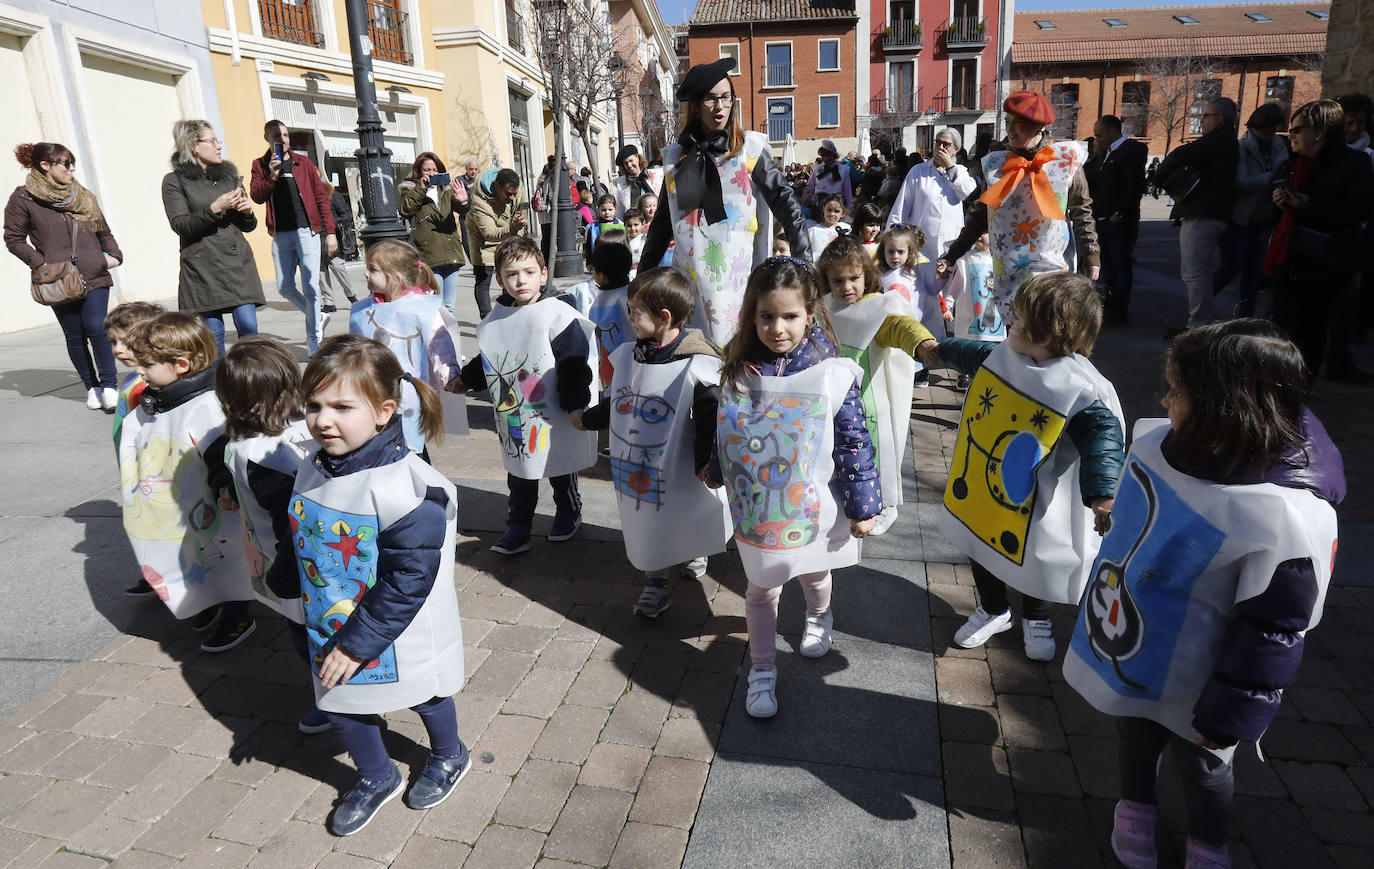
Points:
[[377, 375], [1326, 118], [185, 135], [172, 336], [915, 242], [1061, 310], [400, 262]]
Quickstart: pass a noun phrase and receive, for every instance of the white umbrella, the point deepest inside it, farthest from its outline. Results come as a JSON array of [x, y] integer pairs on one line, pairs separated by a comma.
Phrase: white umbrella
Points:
[[865, 144], [789, 151]]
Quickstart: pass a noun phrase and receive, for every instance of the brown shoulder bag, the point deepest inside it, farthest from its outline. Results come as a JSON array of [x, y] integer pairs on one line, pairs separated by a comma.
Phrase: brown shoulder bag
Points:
[[59, 283]]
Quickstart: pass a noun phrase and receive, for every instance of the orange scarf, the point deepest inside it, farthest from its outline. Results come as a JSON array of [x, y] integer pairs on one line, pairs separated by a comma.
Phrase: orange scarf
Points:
[[1012, 172]]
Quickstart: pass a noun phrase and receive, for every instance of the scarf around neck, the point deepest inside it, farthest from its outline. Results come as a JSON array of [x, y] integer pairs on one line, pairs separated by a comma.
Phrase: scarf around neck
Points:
[[698, 176], [70, 198]]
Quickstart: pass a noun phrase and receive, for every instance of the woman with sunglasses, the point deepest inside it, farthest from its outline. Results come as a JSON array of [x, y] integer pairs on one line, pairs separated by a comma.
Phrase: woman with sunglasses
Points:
[[39, 220]]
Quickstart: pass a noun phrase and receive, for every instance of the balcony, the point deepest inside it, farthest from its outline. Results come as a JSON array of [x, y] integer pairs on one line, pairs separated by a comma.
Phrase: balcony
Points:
[[386, 27], [901, 34], [515, 29], [778, 75], [892, 104], [964, 99], [966, 33], [290, 21]]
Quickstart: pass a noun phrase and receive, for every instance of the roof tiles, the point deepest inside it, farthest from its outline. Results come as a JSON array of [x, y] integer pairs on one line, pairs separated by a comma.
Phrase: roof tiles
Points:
[[732, 11]]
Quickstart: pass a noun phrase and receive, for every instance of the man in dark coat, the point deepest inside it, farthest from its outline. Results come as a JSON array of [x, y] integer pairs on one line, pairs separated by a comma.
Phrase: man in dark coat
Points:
[[1116, 179]]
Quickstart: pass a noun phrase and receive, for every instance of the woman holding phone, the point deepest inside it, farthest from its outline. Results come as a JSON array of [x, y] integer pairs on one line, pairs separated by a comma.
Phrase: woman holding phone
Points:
[[210, 211], [436, 206]]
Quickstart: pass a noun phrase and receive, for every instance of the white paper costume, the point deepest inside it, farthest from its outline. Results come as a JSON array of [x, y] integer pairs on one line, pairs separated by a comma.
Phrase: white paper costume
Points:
[[247, 458], [668, 515], [627, 195], [775, 443], [1024, 241], [1012, 503], [979, 315], [611, 315], [338, 550], [887, 382], [904, 283], [423, 336], [516, 342], [190, 551], [1181, 554], [718, 258], [819, 236]]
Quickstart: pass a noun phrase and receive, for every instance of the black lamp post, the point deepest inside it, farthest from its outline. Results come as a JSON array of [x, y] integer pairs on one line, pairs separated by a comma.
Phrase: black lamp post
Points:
[[374, 158], [567, 261]]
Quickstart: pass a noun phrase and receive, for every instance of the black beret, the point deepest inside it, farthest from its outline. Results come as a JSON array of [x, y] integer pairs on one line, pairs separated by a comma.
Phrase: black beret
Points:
[[626, 151], [702, 77]]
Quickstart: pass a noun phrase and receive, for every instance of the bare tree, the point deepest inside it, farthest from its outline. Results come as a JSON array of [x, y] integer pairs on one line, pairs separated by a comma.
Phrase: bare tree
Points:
[[1174, 87], [574, 39]]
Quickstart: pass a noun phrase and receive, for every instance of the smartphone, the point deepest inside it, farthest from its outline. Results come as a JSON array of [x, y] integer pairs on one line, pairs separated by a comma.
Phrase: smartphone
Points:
[[440, 179], [278, 150]]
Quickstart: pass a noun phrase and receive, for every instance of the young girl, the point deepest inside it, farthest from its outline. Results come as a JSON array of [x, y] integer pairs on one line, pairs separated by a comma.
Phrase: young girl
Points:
[[831, 225], [1221, 545], [899, 255], [648, 204], [406, 313], [792, 446], [868, 225], [870, 325], [374, 530]]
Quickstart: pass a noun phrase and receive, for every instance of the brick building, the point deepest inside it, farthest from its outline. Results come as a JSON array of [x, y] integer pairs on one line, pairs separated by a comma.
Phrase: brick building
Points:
[[1157, 68], [797, 66]]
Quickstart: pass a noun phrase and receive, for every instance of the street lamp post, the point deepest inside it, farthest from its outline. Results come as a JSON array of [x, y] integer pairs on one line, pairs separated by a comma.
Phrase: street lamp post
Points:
[[566, 262], [374, 158]]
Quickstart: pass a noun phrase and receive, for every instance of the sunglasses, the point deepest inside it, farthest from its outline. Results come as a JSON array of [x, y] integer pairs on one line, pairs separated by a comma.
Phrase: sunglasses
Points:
[[69, 162]]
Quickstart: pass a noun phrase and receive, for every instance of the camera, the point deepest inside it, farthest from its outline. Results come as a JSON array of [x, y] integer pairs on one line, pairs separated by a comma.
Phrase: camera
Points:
[[440, 179]]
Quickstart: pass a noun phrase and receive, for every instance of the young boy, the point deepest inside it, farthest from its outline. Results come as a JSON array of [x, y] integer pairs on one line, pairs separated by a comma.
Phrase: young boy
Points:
[[536, 359], [661, 412], [1011, 503], [605, 220], [634, 228], [609, 310]]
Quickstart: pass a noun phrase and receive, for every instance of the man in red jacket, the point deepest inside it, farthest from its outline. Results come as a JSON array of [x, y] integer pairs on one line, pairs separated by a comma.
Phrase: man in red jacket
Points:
[[298, 214]]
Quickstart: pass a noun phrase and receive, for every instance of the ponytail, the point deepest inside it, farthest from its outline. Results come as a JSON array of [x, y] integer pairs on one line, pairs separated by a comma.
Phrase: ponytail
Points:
[[431, 411]]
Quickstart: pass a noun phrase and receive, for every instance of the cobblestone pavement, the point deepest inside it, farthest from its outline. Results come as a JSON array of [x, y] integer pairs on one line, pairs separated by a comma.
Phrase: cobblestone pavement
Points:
[[594, 733]]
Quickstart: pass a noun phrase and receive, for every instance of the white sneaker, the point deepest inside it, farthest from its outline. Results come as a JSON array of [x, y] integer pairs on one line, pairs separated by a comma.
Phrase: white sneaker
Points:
[[93, 399], [762, 699], [325, 317], [1039, 638], [885, 521], [980, 627], [815, 640], [109, 398], [696, 568]]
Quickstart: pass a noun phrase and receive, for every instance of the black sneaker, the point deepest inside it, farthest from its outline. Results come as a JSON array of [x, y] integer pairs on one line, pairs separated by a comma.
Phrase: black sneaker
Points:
[[360, 805], [922, 378], [227, 635], [964, 381], [515, 540], [564, 526], [202, 620], [440, 777], [140, 589]]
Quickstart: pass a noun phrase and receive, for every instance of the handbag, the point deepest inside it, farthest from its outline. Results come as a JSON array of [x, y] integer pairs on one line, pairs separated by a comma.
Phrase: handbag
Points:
[[59, 283], [1181, 182], [540, 201], [1335, 253]]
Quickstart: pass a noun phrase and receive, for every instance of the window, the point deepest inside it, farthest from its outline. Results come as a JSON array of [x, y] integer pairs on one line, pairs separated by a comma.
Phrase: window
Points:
[[1135, 108], [1046, 24], [1258, 17], [901, 86], [779, 119], [779, 56], [1064, 98], [1185, 19], [291, 21], [1114, 22], [1279, 89], [964, 90], [829, 51], [1204, 91], [1319, 14], [731, 49], [830, 111]]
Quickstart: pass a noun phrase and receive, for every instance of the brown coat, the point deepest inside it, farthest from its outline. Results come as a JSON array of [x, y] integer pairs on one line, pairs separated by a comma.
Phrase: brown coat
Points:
[[37, 234]]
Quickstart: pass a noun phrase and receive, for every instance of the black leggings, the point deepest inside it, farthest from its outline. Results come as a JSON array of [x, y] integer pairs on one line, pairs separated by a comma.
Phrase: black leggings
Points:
[[83, 324], [992, 596], [1208, 781]]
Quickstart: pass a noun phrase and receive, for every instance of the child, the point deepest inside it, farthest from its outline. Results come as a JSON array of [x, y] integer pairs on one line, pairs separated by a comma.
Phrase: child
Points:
[[610, 311], [870, 325], [634, 228], [830, 226], [1224, 522], [171, 468], [605, 220], [978, 314], [406, 314], [661, 411], [648, 204], [781, 247], [374, 530], [868, 225], [792, 444], [899, 256], [119, 325], [1021, 501], [537, 358]]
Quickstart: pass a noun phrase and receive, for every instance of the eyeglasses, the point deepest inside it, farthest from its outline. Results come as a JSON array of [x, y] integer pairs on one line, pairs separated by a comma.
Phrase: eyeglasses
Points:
[[215, 142], [1298, 129], [940, 143], [717, 99], [69, 162]]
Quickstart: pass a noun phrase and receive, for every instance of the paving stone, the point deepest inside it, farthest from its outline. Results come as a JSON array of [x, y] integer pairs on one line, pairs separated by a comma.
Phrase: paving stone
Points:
[[1057, 831], [964, 681], [1013, 673], [192, 818], [1363, 777], [1309, 741], [36, 752], [570, 733], [648, 845], [219, 854], [600, 683], [262, 812], [704, 696], [298, 844], [16, 790], [425, 852], [619, 767], [66, 712], [504, 745], [1362, 738], [168, 726], [637, 718], [518, 638], [234, 696], [1347, 828], [1320, 785], [72, 860], [670, 792], [383, 839], [548, 613], [689, 738], [970, 724], [540, 693], [217, 737], [587, 829], [106, 836], [34, 706], [475, 712], [475, 629], [1095, 759], [1278, 830], [1030, 722], [976, 776], [14, 845], [11, 736], [986, 839], [1324, 704], [1043, 772], [507, 847], [1077, 716], [563, 654], [81, 758], [463, 816], [500, 673], [500, 608], [537, 795], [58, 810], [1256, 778]]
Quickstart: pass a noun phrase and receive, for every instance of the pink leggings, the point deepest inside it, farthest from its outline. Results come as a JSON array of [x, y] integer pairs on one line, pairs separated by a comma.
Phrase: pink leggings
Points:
[[761, 613]]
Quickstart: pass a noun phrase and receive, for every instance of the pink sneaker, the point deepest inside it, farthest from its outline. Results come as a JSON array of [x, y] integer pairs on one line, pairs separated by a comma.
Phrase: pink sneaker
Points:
[[1133, 835], [1202, 856]]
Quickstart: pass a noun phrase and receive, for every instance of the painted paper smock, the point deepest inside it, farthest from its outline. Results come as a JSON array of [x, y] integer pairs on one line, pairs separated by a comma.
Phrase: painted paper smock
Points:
[[1024, 241], [610, 313], [979, 314]]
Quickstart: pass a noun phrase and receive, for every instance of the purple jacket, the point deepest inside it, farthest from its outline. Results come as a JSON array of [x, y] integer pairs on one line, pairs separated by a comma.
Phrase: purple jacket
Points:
[[856, 469], [1264, 644]]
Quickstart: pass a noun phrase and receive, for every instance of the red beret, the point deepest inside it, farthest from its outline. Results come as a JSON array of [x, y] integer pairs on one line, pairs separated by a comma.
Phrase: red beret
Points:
[[1030, 105]]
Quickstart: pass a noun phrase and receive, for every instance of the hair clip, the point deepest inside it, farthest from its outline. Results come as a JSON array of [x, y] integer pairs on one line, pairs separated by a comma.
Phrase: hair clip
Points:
[[778, 260], [405, 375]]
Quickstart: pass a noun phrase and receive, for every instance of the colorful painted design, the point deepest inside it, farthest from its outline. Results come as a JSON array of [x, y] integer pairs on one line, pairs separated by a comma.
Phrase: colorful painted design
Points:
[[1023, 241], [1004, 437], [521, 400], [987, 320], [129, 396], [768, 449], [638, 454], [337, 552], [1142, 583], [611, 314]]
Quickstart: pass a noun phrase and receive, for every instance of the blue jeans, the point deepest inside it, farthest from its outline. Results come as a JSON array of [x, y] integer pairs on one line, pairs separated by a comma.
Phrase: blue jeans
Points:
[[245, 322], [83, 323], [449, 276], [293, 249]]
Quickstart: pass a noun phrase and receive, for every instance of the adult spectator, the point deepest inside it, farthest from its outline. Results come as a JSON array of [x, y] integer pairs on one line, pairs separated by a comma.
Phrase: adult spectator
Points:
[[471, 169], [298, 215], [855, 164], [436, 215], [828, 176], [875, 170], [635, 180], [1358, 109], [932, 197], [1359, 112], [209, 211], [40, 219], [719, 175], [1116, 179], [333, 271], [1027, 227], [1201, 178], [548, 190], [1325, 191], [493, 217], [1242, 251]]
